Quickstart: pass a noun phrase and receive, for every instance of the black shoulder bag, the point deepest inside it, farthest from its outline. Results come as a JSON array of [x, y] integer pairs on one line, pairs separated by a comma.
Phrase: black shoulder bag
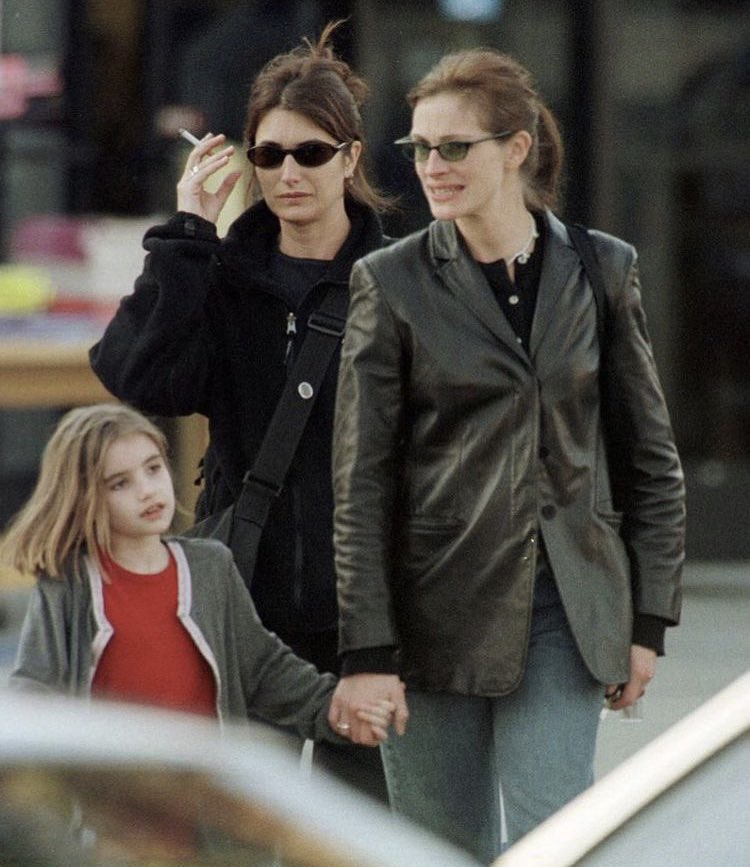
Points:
[[240, 525]]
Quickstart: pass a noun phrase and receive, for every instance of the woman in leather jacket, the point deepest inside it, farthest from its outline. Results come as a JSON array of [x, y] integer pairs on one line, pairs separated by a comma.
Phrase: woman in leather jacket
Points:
[[498, 550], [214, 324]]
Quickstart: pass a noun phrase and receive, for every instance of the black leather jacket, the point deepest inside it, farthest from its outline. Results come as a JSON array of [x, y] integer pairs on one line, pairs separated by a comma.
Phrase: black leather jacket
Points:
[[207, 331], [454, 450]]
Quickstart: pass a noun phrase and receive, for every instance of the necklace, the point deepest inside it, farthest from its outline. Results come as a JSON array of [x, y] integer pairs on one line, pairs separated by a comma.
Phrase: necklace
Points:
[[522, 256]]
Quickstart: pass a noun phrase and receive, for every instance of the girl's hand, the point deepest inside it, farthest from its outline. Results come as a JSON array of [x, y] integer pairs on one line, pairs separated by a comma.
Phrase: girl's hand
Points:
[[379, 716], [376, 694], [202, 163]]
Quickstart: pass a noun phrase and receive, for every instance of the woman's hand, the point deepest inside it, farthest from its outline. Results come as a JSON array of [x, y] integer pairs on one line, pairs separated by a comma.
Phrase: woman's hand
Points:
[[202, 163], [642, 670], [359, 704]]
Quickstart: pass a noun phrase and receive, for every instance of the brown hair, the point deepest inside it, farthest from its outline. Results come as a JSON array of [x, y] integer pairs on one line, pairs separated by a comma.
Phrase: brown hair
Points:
[[66, 514], [313, 82], [504, 93]]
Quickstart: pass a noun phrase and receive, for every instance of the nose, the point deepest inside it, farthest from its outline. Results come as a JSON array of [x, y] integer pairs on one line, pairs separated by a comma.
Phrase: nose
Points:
[[289, 168], [146, 486], [434, 164]]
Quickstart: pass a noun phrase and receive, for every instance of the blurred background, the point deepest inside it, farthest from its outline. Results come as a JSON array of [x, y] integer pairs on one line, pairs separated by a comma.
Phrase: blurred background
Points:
[[654, 100]]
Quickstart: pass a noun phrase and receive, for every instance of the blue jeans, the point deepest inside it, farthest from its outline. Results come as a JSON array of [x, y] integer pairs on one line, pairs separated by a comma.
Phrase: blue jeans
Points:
[[538, 742]]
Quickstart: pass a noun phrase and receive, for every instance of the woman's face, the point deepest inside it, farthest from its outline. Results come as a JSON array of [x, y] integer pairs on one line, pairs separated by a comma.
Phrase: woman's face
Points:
[[295, 193], [471, 187]]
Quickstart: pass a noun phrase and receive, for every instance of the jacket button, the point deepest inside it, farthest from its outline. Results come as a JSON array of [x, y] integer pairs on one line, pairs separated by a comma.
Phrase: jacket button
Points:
[[543, 452], [548, 511]]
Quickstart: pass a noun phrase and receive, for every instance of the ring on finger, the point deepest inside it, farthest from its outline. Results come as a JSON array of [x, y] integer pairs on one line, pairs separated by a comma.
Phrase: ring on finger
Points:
[[342, 726], [194, 170]]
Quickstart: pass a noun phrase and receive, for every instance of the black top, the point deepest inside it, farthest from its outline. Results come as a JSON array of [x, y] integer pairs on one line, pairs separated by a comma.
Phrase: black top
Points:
[[517, 298]]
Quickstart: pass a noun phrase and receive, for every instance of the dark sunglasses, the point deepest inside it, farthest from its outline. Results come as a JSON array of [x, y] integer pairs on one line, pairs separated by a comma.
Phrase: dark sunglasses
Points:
[[450, 151], [309, 154]]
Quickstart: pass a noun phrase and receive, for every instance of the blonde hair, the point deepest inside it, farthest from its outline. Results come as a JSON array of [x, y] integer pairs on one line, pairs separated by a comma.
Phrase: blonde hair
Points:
[[66, 515], [504, 94]]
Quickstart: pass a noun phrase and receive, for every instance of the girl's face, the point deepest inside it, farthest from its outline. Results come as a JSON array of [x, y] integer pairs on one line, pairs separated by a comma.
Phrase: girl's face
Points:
[[471, 187], [138, 490], [295, 193]]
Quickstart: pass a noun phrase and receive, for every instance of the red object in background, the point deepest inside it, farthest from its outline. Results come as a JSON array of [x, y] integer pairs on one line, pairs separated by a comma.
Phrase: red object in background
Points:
[[20, 82], [47, 237], [13, 69]]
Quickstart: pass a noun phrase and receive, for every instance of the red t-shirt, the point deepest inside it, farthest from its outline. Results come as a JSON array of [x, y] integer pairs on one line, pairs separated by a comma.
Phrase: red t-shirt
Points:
[[151, 658]]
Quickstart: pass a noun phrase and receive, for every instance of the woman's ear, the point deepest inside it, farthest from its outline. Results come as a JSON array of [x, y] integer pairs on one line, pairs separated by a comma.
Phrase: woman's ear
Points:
[[517, 149], [351, 157]]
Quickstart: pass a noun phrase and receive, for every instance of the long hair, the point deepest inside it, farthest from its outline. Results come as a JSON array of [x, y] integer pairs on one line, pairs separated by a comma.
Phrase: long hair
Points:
[[503, 92], [312, 81], [66, 514]]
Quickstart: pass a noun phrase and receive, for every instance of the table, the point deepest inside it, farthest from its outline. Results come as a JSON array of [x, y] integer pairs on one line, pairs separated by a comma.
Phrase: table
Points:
[[35, 373]]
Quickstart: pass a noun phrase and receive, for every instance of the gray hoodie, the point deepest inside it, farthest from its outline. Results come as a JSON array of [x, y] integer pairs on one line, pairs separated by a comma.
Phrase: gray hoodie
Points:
[[66, 631]]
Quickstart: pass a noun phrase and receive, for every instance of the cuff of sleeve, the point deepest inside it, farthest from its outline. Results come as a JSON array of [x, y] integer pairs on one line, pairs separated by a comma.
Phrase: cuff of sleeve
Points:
[[648, 631], [369, 660], [184, 225]]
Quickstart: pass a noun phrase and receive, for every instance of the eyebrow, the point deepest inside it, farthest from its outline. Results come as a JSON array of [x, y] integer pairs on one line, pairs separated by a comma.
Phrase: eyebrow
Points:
[[153, 456]]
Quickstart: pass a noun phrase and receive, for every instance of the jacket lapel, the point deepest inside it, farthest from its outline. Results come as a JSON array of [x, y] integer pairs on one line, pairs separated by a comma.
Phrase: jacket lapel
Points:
[[558, 269], [463, 277]]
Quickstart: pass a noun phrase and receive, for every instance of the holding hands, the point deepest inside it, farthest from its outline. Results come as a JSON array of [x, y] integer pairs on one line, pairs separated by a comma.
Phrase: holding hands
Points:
[[203, 162], [364, 706]]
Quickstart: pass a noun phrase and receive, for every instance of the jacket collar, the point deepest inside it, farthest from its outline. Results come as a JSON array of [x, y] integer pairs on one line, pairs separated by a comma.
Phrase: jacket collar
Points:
[[559, 269], [463, 276]]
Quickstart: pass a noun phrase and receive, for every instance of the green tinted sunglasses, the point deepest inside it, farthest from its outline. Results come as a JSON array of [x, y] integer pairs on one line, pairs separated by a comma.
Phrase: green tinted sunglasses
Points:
[[450, 151]]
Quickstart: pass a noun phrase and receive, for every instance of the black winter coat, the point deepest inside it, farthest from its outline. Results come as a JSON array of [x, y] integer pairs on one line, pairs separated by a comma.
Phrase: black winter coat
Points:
[[207, 331]]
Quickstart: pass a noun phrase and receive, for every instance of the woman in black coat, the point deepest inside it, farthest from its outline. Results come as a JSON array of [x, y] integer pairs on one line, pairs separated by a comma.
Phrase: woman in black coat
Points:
[[214, 324]]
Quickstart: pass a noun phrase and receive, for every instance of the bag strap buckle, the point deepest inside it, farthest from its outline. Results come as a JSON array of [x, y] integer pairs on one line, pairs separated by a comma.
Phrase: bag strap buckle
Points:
[[250, 480], [326, 323]]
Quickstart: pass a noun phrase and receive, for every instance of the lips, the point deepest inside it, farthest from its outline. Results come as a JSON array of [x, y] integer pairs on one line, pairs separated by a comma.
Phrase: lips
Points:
[[153, 512]]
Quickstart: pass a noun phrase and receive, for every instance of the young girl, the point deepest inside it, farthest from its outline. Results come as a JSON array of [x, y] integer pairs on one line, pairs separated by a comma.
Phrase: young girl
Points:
[[120, 612]]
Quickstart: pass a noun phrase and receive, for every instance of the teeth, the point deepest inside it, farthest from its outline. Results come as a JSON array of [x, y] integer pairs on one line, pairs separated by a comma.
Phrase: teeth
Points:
[[444, 194]]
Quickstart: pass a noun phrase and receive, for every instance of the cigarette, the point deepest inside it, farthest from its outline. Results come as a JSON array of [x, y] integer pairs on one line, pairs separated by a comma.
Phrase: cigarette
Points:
[[189, 136]]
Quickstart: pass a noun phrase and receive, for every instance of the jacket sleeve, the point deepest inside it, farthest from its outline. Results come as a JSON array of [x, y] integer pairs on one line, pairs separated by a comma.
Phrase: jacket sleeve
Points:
[[647, 479], [157, 351], [279, 686], [365, 468], [43, 658]]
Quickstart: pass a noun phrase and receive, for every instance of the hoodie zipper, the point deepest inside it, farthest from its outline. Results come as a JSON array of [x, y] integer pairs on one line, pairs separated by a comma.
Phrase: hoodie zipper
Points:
[[291, 333], [297, 582]]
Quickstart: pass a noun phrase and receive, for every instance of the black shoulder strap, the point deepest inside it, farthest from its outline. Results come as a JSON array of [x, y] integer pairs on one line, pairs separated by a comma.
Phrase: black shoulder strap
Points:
[[581, 239], [265, 479]]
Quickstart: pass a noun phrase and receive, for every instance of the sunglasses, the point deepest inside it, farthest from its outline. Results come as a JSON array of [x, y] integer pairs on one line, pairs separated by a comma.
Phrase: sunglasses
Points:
[[309, 154], [450, 151]]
